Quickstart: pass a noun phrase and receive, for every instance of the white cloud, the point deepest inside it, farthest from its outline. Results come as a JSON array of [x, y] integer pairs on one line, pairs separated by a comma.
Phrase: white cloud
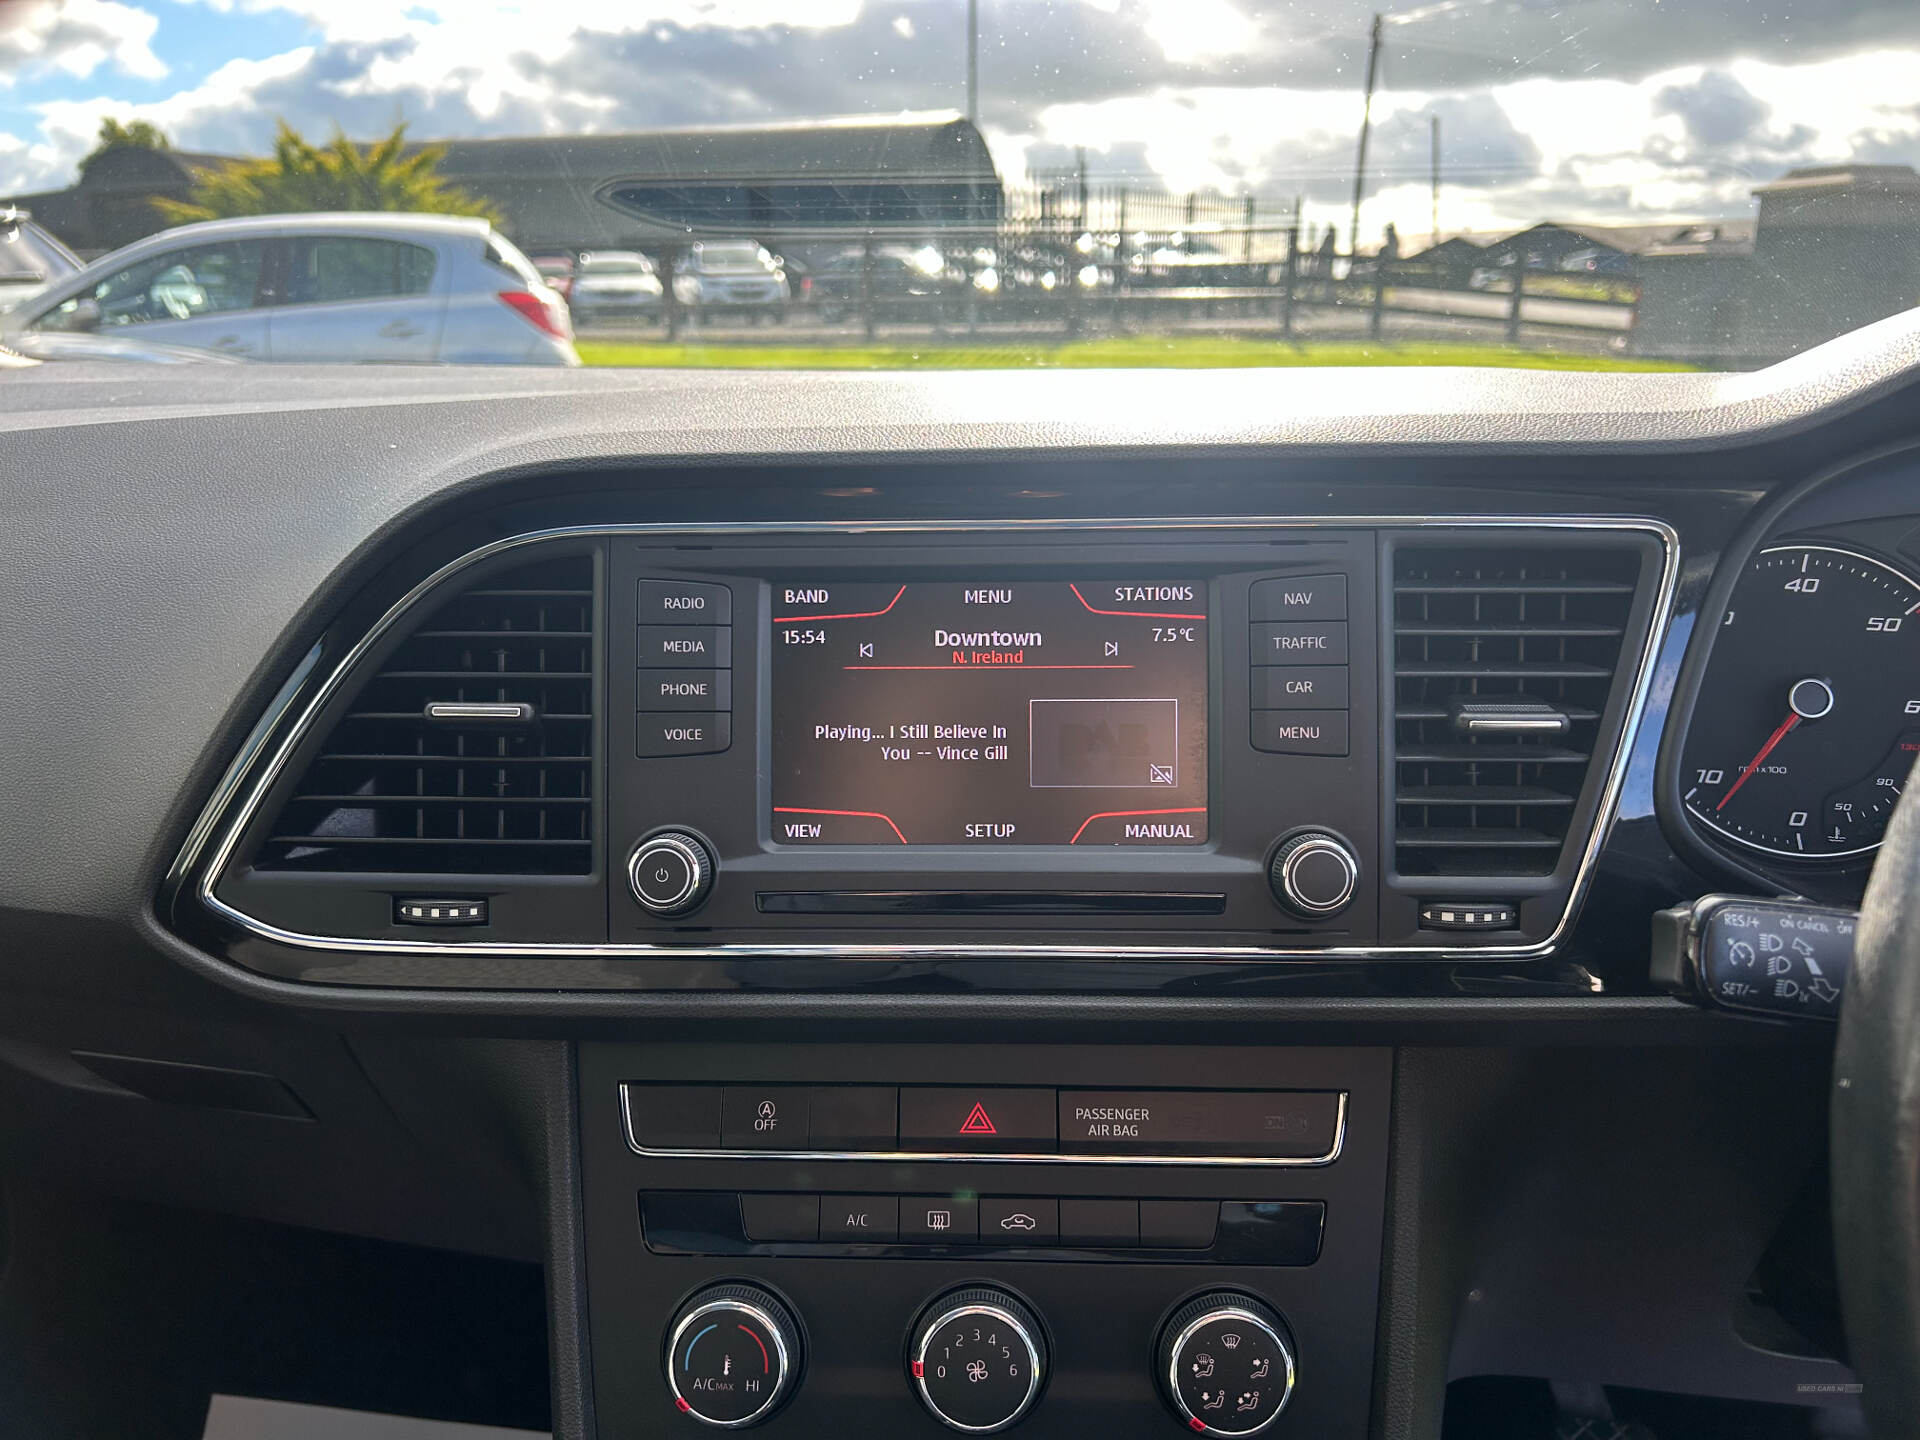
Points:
[[76, 38]]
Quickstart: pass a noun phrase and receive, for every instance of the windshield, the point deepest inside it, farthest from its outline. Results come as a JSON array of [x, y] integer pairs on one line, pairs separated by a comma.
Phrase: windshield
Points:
[[1595, 184]]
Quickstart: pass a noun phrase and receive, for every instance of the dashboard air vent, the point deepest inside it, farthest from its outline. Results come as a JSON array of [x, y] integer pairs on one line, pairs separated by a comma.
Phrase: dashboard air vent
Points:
[[1504, 660], [471, 750]]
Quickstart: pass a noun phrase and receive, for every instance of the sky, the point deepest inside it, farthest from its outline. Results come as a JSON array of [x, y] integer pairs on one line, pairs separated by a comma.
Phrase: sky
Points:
[[1605, 111]]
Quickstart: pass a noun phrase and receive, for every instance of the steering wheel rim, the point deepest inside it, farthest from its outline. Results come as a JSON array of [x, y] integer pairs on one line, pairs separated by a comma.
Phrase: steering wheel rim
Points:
[[1875, 1112]]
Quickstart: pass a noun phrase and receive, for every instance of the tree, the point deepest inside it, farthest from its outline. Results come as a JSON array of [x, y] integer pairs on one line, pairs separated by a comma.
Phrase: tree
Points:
[[339, 175], [127, 135]]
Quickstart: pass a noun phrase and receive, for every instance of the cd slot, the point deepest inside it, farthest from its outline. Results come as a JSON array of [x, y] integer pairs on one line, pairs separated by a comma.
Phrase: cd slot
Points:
[[989, 902]]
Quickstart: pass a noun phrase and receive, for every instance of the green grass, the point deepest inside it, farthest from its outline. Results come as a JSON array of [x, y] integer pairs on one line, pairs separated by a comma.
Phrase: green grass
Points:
[[1192, 352]]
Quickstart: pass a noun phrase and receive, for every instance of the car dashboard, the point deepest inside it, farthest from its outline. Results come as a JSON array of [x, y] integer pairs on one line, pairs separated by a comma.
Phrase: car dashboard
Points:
[[972, 890]]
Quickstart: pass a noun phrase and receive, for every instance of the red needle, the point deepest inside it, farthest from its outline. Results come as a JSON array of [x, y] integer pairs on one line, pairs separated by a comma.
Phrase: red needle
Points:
[[1793, 719]]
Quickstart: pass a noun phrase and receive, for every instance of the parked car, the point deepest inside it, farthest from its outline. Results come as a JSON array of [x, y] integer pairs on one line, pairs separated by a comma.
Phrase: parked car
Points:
[[319, 288], [31, 259], [905, 283], [730, 277], [557, 271], [616, 285]]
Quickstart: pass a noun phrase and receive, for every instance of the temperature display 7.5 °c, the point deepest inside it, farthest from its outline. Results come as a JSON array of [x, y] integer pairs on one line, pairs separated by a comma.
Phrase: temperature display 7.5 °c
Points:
[[1808, 719]]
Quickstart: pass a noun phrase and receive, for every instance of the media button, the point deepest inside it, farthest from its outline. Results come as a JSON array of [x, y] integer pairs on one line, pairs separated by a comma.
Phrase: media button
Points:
[[1299, 687], [982, 1120], [1299, 597], [682, 732], [683, 602], [1300, 732], [686, 647], [866, 1219], [674, 689], [1019, 1222], [940, 1219], [1314, 643]]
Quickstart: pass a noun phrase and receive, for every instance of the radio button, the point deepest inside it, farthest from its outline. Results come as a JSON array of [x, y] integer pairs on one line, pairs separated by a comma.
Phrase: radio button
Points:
[[686, 647], [1300, 732], [686, 689], [682, 602], [682, 732], [1299, 597], [985, 1121], [1299, 687], [1314, 643]]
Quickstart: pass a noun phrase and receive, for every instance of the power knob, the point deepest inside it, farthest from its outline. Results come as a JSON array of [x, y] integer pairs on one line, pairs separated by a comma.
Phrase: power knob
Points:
[[733, 1355], [1226, 1364], [977, 1359], [1314, 874], [670, 873]]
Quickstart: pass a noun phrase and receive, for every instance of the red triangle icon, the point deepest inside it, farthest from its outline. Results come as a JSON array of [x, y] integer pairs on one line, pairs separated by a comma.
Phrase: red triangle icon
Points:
[[978, 1122]]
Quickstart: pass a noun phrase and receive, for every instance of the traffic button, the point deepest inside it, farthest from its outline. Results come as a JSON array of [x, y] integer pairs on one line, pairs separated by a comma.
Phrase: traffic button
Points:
[[986, 1121]]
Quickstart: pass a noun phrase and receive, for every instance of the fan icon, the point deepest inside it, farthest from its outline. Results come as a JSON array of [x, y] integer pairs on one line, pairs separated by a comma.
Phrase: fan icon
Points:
[[976, 1370]]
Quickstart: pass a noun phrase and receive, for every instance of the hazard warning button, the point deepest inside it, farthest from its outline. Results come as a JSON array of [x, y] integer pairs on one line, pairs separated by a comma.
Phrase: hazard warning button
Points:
[[983, 1121]]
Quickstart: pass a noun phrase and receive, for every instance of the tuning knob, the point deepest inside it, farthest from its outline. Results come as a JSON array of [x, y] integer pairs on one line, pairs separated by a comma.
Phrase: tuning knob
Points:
[[1226, 1364], [670, 873], [733, 1355], [1314, 874], [977, 1359]]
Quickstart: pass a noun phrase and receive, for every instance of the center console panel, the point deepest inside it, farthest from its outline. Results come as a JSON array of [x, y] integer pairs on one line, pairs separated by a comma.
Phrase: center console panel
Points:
[[1109, 1215]]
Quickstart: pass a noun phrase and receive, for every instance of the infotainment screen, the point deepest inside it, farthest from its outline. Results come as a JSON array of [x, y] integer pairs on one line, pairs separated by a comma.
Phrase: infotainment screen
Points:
[[990, 712]]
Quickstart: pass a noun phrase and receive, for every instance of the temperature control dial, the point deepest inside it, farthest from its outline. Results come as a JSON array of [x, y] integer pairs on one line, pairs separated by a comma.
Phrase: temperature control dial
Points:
[[733, 1356], [977, 1359], [1314, 874], [1226, 1364], [670, 872]]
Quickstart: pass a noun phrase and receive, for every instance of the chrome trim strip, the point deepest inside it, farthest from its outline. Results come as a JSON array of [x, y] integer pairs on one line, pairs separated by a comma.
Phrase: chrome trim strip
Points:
[[237, 823], [475, 710], [1041, 1158]]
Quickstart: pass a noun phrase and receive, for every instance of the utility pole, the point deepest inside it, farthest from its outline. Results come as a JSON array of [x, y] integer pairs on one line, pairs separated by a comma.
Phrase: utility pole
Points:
[[1366, 130], [1436, 180], [973, 62]]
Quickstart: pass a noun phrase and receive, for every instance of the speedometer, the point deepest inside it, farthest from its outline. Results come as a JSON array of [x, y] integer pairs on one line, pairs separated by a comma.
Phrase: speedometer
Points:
[[1808, 719]]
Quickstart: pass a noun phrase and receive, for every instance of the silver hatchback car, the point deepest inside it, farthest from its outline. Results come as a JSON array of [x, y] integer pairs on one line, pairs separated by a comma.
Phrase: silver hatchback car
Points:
[[351, 287]]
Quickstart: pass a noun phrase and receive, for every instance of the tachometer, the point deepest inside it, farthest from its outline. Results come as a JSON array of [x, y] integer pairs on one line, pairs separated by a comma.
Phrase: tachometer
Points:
[[1808, 719]]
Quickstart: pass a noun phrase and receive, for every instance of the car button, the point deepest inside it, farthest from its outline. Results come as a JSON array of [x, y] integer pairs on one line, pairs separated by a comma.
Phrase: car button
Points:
[[682, 602], [1299, 597], [1298, 687], [984, 1120], [764, 1117], [940, 1219], [1296, 644], [1297, 1124], [678, 732], [1019, 1222], [686, 647], [675, 689], [872, 1219], [1300, 732]]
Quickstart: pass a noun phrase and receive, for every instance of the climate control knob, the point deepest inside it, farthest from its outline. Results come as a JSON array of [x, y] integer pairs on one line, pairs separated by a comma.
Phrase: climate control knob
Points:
[[978, 1358], [671, 872], [1226, 1364], [1314, 874], [733, 1356]]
